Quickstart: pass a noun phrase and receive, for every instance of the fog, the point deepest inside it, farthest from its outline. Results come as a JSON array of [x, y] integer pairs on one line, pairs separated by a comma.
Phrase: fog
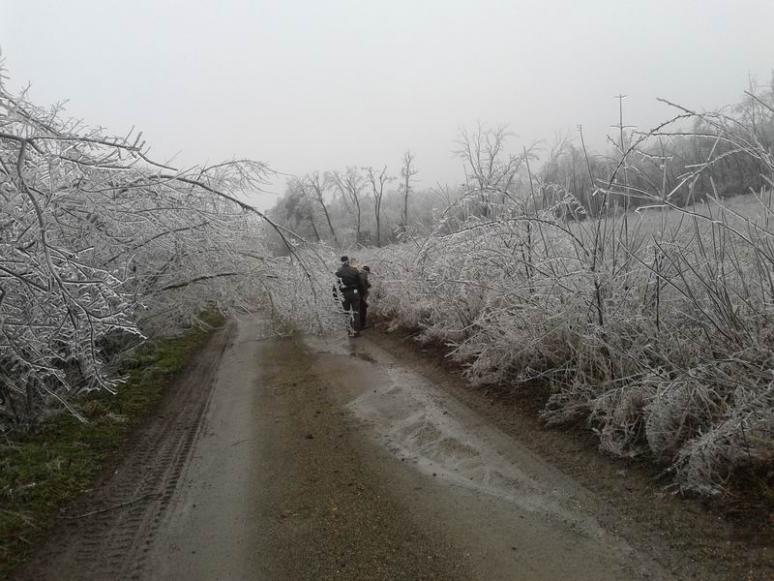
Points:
[[306, 85], [599, 301]]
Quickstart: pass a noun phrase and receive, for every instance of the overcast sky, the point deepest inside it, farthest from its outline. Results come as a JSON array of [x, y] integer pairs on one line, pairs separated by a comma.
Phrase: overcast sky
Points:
[[321, 84]]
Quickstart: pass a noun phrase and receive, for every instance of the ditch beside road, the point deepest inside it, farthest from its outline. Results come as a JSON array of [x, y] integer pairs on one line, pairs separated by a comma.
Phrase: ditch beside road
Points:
[[310, 458]]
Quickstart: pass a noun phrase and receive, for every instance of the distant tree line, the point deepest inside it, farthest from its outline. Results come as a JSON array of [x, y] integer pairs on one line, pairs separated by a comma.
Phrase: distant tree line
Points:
[[374, 206], [367, 206]]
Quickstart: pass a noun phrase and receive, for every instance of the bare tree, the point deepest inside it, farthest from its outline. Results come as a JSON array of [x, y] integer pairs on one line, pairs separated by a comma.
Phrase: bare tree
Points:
[[350, 186], [488, 170], [407, 172], [296, 208], [319, 185], [377, 187]]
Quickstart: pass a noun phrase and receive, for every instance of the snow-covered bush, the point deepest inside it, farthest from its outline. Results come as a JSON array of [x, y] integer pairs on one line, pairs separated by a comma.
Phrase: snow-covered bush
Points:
[[653, 328], [662, 347]]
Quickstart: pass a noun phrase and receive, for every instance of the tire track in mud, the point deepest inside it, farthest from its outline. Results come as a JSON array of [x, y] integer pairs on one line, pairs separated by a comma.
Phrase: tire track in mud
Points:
[[112, 539]]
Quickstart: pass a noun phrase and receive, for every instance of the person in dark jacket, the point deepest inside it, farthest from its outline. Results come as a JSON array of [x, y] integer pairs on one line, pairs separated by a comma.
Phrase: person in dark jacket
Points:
[[350, 289], [365, 270]]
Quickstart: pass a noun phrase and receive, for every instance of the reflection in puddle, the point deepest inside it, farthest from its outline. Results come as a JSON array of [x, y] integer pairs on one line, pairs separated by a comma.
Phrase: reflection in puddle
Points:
[[341, 345]]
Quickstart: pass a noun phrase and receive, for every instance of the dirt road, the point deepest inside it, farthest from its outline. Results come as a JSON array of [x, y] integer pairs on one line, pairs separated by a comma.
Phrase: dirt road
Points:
[[295, 459]]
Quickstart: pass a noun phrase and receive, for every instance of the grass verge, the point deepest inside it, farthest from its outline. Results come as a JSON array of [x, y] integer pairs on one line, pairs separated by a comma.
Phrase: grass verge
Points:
[[43, 470]]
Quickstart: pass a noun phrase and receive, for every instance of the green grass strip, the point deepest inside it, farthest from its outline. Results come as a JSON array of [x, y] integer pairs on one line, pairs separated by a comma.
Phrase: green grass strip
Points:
[[44, 470]]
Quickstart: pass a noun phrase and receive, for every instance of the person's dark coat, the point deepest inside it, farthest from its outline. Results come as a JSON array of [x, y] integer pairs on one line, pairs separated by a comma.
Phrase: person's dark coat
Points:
[[349, 278], [350, 287]]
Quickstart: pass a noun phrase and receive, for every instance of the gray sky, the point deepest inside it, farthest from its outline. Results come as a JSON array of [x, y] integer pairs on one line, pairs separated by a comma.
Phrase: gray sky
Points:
[[321, 84]]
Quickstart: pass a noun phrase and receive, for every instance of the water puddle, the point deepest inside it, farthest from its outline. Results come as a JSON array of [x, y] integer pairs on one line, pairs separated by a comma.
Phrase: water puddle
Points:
[[410, 417], [420, 424]]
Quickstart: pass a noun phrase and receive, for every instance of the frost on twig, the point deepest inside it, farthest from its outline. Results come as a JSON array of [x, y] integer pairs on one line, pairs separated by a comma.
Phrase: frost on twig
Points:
[[99, 243]]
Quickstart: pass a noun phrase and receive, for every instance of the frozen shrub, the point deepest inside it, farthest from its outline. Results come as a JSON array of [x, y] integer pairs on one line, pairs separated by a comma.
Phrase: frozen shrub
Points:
[[641, 342], [99, 243]]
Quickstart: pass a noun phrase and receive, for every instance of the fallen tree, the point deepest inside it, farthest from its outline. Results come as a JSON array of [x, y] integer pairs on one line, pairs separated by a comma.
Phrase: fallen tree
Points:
[[100, 243]]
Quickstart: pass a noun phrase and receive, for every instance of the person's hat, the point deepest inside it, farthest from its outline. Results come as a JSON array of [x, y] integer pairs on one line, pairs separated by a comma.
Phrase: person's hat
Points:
[[345, 258]]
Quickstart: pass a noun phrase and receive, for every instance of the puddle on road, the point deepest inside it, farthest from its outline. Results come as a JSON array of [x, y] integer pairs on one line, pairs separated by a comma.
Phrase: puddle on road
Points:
[[411, 417]]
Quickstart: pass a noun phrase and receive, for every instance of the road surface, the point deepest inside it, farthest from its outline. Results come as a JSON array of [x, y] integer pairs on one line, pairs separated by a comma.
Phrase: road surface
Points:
[[330, 458]]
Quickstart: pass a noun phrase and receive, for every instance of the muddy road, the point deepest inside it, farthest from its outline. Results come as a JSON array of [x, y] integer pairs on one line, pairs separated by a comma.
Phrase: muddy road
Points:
[[313, 459]]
